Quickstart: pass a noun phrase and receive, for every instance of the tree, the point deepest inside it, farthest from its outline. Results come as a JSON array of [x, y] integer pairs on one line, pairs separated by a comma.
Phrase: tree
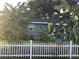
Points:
[[42, 8], [14, 21], [73, 9]]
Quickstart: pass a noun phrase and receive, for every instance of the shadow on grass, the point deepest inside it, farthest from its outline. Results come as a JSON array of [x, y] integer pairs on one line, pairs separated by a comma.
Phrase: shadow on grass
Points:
[[14, 57], [38, 58], [33, 58]]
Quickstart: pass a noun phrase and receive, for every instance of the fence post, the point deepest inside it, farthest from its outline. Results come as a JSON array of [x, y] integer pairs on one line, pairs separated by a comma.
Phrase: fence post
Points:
[[30, 49], [70, 49]]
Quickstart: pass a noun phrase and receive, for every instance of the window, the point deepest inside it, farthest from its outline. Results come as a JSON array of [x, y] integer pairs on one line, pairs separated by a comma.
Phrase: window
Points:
[[31, 27]]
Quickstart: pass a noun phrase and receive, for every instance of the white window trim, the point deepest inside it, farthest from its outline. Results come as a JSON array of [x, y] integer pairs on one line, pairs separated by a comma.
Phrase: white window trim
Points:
[[31, 26]]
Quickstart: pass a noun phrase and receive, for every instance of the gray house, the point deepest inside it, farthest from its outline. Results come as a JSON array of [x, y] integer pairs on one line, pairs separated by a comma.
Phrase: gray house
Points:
[[37, 26]]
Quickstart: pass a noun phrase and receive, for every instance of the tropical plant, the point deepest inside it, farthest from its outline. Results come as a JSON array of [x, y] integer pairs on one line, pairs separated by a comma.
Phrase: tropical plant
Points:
[[73, 9]]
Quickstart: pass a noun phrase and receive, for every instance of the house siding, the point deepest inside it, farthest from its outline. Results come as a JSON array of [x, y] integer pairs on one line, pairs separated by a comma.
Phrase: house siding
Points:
[[38, 29]]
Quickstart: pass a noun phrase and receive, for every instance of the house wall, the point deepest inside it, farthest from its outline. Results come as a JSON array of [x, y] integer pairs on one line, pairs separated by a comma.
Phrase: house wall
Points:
[[38, 29]]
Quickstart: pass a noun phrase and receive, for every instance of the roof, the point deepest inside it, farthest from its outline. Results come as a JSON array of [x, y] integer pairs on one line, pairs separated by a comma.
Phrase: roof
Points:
[[55, 19], [43, 21]]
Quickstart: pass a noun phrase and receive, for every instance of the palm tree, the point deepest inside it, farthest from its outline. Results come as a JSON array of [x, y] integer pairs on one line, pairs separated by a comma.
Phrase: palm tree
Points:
[[74, 17]]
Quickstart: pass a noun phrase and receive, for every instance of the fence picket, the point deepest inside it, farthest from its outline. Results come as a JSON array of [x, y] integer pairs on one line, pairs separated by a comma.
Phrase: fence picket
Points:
[[39, 49]]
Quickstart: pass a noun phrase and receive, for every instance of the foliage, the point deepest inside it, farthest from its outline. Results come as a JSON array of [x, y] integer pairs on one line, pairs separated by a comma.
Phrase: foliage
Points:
[[42, 8], [15, 21], [76, 31], [44, 37], [73, 9]]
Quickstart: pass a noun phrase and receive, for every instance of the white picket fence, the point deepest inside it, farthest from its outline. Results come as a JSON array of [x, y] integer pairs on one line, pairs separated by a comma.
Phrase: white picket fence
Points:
[[39, 50]]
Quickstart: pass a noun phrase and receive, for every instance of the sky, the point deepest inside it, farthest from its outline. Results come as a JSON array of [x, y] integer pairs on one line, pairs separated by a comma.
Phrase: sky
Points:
[[12, 2]]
